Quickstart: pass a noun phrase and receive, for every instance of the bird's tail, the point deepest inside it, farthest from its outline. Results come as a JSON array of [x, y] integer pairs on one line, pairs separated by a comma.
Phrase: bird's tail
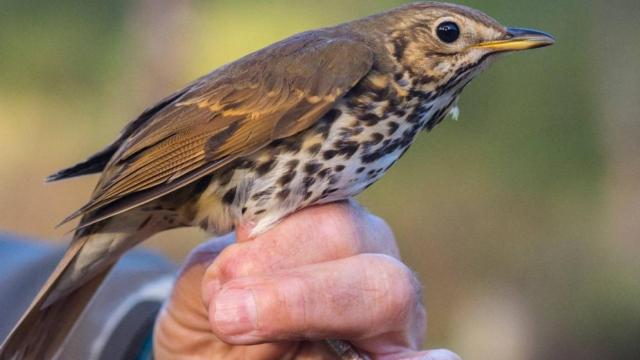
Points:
[[43, 328]]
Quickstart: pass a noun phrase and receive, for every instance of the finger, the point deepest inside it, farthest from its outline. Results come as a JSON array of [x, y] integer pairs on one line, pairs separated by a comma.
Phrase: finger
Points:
[[186, 290], [354, 298], [182, 325], [313, 235], [335, 220]]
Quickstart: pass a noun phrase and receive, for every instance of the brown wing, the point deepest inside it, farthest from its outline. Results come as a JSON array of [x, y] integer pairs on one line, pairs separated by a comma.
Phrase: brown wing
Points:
[[236, 110], [98, 161]]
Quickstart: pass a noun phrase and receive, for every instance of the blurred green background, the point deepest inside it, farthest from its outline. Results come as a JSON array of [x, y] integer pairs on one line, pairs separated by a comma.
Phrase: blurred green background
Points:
[[522, 219]]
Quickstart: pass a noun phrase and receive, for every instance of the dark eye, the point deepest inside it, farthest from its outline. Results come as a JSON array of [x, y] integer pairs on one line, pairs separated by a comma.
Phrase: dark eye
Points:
[[448, 32]]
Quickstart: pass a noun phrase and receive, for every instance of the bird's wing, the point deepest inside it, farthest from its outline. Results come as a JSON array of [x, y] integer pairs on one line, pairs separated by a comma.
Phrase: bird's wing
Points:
[[236, 110], [98, 161]]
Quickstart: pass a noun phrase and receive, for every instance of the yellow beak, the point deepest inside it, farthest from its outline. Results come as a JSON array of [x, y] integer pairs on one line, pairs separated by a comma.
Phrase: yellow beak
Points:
[[518, 39]]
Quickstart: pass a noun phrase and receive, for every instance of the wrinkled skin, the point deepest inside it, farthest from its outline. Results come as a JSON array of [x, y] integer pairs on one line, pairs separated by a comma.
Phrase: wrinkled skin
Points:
[[330, 271]]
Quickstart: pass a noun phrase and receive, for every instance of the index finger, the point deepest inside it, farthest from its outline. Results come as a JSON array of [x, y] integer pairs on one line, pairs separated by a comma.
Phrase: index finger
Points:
[[310, 236]]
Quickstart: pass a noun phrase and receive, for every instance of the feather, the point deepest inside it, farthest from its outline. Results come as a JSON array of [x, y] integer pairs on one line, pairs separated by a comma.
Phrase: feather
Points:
[[230, 113], [97, 162], [42, 330], [234, 111]]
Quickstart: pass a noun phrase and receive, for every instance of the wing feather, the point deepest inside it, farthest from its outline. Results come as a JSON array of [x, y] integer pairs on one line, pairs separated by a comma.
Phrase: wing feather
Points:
[[234, 111]]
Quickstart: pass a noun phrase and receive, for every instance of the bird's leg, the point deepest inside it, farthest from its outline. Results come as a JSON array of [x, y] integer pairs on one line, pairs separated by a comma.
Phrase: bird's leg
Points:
[[344, 350]]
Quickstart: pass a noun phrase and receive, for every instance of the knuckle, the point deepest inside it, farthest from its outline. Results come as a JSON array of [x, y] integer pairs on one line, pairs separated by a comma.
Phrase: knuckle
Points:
[[232, 263], [298, 290], [357, 231], [341, 227], [403, 288], [408, 287], [276, 320]]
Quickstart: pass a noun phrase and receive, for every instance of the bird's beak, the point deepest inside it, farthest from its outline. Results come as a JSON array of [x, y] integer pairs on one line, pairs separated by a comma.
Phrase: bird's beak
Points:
[[518, 39]]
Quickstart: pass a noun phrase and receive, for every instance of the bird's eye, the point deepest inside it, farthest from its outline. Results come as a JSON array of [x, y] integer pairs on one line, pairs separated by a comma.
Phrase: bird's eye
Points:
[[448, 32]]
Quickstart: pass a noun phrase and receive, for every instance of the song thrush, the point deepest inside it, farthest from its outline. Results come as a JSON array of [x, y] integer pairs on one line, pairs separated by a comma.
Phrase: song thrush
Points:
[[314, 118]]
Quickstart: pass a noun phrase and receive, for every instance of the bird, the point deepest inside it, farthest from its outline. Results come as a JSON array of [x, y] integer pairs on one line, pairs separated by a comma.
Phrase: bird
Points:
[[312, 119]]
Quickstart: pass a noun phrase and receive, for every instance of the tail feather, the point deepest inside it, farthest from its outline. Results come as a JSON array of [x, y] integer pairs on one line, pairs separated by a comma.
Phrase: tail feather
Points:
[[42, 330]]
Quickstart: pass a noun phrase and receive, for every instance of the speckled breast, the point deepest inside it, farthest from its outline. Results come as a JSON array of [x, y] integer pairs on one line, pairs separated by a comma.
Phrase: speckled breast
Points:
[[349, 149]]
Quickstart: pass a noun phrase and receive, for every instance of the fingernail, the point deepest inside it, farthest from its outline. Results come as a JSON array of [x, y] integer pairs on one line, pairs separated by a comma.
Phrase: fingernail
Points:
[[235, 311]]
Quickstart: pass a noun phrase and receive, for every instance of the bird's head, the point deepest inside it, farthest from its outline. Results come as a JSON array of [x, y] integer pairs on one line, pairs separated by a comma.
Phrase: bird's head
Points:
[[445, 45]]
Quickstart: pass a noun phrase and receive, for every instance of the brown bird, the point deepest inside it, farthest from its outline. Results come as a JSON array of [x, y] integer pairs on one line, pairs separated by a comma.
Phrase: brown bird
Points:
[[314, 118]]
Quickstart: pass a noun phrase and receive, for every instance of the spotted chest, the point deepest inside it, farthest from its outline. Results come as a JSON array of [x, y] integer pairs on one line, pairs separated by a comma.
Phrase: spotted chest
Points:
[[347, 150]]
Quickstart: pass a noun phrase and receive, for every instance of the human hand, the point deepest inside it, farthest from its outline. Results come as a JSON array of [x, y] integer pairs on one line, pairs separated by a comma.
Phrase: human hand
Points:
[[326, 272]]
